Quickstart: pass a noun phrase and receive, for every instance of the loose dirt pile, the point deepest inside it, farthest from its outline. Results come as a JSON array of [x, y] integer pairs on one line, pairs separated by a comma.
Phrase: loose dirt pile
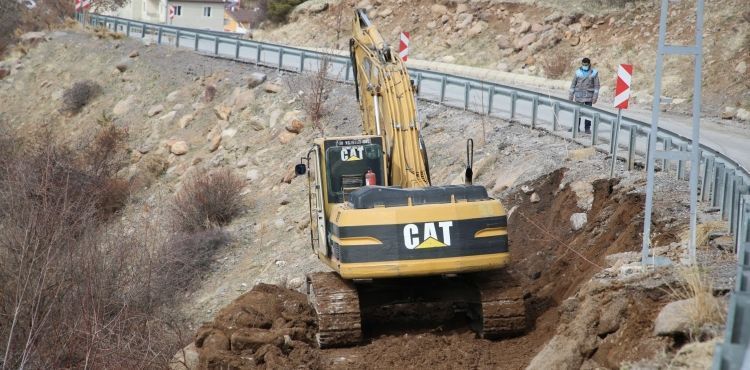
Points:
[[267, 327]]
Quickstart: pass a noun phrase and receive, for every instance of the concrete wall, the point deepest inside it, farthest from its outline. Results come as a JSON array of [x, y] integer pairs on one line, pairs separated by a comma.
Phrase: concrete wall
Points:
[[153, 11], [192, 16]]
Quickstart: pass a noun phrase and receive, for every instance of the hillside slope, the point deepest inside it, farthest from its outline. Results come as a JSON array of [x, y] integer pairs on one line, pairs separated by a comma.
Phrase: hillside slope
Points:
[[548, 38]]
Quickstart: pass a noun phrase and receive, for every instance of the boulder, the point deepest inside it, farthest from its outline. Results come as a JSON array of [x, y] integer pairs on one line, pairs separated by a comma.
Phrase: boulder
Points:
[[185, 120], [477, 28], [209, 93], [178, 148], [578, 221], [154, 110], [552, 18], [728, 113], [527, 189], [534, 198], [286, 137], [536, 27], [214, 143], [503, 42], [243, 100], [272, 88], [214, 340], [173, 96], [32, 36], [168, 117], [295, 126], [674, 318], [525, 41], [461, 8], [385, 12], [185, 359], [123, 106], [4, 72], [255, 79], [222, 112], [576, 28], [439, 10], [464, 20], [123, 65], [253, 175], [134, 54], [523, 27], [574, 40], [743, 114], [317, 8], [741, 67]]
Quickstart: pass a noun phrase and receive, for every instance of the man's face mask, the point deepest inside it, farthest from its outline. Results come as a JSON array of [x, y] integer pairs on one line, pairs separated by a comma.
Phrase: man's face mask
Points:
[[585, 67]]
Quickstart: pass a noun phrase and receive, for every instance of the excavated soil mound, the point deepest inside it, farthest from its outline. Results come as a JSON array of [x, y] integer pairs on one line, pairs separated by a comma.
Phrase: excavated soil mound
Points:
[[267, 327]]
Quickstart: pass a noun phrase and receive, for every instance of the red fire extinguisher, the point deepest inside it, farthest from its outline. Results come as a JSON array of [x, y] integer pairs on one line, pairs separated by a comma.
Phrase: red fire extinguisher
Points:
[[370, 179]]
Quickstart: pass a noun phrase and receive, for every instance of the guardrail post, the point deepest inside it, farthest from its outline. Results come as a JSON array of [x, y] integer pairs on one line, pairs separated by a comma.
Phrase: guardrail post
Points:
[[631, 147], [349, 67], [115, 26], [177, 38], [576, 120], [237, 49], [216, 45], [143, 31], [158, 38], [555, 115], [726, 198], [513, 99], [733, 215], [718, 185], [467, 92], [281, 60], [595, 129], [667, 147], [197, 40], [419, 81], [534, 108], [258, 50], [490, 99], [127, 29], [443, 85], [706, 178], [681, 164], [302, 65]]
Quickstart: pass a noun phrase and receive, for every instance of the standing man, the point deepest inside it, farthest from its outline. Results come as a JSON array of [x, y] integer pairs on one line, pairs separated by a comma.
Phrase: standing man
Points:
[[585, 88]]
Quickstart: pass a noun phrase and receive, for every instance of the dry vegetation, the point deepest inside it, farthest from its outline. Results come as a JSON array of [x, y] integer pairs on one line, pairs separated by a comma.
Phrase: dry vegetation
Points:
[[313, 88], [78, 95], [208, 200], [79, 286], [706, 309]]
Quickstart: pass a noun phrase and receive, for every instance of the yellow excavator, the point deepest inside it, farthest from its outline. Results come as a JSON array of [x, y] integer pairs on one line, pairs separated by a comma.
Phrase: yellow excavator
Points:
[[390, 237]]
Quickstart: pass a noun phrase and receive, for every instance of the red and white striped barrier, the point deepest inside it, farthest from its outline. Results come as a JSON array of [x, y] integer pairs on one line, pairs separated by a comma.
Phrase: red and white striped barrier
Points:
[[403, 46], [83, 4], [622, 88]]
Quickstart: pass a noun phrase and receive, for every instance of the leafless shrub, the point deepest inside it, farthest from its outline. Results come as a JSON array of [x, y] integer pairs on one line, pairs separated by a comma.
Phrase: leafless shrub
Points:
[[207, 200], [78, 95], [314, 88]]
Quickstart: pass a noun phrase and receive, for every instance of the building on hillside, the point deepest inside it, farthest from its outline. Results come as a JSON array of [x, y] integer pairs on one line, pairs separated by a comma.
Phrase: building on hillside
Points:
[[237, 20], [201, 14], [152, 11]]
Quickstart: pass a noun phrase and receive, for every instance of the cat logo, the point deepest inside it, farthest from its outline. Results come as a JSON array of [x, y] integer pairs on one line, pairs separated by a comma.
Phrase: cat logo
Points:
[[429, 235], [352, 153]]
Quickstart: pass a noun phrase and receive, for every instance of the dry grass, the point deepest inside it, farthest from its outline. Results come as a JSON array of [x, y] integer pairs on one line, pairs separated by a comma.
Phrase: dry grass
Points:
[[207, 200], [314, 88], [557, 66], [695, 284], [703, 231]]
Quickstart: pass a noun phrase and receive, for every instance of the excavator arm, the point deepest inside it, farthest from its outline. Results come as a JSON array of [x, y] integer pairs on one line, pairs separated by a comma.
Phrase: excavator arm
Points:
[[386, 99]]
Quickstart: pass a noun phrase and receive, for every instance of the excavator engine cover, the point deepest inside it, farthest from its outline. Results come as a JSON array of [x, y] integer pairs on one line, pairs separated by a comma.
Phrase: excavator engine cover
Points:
[[382, 196]]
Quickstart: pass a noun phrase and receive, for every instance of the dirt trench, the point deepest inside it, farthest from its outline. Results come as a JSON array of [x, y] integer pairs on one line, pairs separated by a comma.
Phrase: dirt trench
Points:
[[273, 327]]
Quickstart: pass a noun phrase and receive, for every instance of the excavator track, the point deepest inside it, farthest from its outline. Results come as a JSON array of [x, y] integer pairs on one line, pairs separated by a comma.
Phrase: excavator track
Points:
[[502, 310], [336, 304]]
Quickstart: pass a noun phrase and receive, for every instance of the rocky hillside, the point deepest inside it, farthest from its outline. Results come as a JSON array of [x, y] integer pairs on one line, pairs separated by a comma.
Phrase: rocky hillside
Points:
[[549, 37], [187, 113]]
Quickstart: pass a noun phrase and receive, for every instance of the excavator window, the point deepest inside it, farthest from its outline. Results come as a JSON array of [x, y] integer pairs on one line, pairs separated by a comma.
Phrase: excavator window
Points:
[[347, 166]]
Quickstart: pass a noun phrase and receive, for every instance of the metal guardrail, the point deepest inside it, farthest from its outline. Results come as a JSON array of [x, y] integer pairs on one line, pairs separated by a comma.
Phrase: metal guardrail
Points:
[[734, 351], [723, 181]]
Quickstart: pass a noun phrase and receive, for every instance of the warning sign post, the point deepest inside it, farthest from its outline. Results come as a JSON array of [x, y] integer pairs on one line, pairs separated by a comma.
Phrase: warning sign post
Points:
[[622, 95]]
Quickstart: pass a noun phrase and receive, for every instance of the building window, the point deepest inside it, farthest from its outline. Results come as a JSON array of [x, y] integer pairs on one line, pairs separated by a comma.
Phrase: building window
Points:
[[178, 10], [206, 11]]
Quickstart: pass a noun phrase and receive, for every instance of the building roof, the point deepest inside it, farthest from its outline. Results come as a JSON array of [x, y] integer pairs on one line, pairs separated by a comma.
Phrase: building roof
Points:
[[197, 1], [241, 15]]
